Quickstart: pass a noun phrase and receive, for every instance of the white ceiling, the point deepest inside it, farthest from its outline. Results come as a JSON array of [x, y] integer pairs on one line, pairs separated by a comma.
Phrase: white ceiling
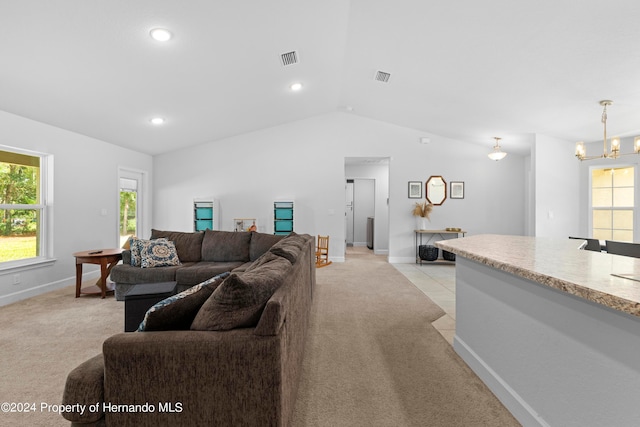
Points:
[[465, 69]]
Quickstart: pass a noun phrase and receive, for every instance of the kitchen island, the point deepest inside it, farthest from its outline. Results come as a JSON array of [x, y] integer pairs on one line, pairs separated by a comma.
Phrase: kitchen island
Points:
[[549, 328]]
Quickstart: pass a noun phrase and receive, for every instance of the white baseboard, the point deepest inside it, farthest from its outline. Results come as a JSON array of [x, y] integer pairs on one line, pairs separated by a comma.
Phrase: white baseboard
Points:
[[524, 413], [44, 288]]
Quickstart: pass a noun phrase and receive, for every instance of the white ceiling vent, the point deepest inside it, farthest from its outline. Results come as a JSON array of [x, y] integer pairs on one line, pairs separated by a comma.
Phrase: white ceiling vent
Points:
[[289, 58], [383, 77]]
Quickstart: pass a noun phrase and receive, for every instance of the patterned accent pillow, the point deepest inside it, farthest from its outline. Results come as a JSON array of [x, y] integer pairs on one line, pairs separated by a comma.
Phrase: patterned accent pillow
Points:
[[136, 244], [158, 253], [178, 311]]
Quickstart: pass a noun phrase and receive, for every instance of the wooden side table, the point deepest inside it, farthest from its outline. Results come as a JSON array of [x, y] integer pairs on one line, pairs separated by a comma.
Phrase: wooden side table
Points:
[[106, 258]]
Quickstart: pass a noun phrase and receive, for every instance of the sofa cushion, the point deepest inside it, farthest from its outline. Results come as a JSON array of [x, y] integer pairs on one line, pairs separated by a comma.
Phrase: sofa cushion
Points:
[[178, 311], [128, 274], [196, 273], [188, 245], [225, 246], [158, 253], [261, 243], [289, 247], [238, 302]]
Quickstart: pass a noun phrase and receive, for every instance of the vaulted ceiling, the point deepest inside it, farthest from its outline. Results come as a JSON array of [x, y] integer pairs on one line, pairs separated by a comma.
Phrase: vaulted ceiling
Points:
[[464, 69]]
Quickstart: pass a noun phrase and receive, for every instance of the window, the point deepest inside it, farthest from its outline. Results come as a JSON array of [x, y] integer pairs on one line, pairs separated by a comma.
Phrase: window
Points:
[[612, 203], [23, 207]]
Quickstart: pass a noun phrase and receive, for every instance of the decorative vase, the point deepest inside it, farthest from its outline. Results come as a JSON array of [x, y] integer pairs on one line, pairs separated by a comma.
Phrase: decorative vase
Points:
[[421, 223]]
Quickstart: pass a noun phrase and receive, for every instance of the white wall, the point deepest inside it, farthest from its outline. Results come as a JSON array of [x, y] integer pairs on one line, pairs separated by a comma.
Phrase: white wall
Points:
[[304, 160], [557, 189], [85, 182]]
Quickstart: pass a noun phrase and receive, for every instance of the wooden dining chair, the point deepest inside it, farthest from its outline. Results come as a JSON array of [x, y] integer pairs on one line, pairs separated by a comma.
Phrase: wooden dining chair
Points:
[[322, 251]]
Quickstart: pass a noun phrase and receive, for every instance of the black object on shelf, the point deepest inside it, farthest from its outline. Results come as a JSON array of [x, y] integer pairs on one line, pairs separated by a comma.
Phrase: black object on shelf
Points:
[[449, 256], [428, 252]]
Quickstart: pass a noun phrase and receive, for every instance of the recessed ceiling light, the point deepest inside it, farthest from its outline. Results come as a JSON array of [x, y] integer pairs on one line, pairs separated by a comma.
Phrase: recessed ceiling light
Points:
[[160, 34], [296, 86], [157, 121]]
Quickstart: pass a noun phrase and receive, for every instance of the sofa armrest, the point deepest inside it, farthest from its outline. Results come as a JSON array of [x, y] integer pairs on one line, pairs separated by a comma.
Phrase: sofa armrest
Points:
[[207, 377], [85, 388]]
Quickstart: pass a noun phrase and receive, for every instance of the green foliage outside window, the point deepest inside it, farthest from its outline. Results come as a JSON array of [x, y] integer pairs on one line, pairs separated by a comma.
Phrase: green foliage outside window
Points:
[[18, 185], [128, 212]]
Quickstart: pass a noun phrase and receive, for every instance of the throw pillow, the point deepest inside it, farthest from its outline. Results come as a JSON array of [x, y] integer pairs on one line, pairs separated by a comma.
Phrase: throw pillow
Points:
[[265, 258], [239, 301], [136, 244], [178, 311], [158, 253], [135, 251], [289, 247]]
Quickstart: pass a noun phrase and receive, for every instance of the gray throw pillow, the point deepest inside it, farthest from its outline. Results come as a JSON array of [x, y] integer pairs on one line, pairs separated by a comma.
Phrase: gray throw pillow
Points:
[[239, 301], [178, 311], [289, 247]]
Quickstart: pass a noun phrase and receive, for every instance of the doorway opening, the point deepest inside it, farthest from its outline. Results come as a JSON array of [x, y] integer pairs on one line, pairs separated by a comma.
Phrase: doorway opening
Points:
[[367, 204], [130, 203]]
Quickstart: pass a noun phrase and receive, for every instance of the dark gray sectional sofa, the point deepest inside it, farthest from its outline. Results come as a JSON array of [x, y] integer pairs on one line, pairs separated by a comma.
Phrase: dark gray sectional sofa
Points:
[[202, 254], [209, 373]]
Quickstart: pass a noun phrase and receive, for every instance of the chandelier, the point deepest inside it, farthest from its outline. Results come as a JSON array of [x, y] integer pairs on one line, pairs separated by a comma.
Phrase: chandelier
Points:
[[614, 152], [497, 153]]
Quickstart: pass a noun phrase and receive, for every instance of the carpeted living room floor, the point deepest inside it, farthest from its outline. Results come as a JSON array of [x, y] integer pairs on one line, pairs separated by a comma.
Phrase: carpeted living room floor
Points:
[[372, 357]]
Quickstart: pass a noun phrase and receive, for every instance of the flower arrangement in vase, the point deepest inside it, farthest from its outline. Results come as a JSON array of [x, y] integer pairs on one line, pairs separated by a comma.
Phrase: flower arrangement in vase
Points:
[[422, 211]]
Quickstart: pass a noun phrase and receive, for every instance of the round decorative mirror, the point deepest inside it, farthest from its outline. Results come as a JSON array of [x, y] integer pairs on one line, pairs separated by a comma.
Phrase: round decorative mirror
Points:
[[436, 190]]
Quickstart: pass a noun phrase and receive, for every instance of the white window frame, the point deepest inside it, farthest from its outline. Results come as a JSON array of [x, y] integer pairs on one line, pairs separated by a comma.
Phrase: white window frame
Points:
[[636, 171], [46, 215]]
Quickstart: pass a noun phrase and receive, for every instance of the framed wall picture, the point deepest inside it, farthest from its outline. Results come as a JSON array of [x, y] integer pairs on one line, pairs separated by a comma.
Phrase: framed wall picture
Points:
[[457, 190], [415, 189]]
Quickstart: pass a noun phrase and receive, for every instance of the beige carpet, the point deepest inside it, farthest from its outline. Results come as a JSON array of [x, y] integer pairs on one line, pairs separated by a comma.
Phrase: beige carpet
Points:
[[372, 358]]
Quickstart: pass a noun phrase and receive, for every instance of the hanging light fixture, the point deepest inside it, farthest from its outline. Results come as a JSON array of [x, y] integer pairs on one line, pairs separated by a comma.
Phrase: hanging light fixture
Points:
[[497, 153], [614, 152]]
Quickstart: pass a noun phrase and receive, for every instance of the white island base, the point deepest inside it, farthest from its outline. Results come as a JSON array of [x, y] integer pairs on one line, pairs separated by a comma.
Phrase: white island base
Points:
[[552, 358]]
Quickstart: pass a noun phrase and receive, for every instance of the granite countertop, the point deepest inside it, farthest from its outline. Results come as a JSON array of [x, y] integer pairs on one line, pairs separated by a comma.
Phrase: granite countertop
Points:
[[559, 264]]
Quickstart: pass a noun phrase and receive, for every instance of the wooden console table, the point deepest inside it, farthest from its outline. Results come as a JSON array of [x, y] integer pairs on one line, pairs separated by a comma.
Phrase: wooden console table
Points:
[[106, 258], [432, 233]]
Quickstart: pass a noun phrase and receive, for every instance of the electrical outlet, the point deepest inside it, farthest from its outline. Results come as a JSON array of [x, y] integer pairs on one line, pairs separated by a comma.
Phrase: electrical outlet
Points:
[[16, 279]]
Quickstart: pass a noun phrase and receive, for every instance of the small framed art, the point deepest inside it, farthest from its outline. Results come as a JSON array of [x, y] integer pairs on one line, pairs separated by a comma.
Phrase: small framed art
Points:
[[415, 189], [457, 190]]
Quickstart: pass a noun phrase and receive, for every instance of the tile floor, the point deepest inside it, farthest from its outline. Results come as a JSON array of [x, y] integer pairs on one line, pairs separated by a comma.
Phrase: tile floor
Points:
[[437, 281]]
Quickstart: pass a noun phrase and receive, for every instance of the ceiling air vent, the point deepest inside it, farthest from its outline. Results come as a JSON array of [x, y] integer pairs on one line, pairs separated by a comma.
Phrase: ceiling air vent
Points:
[[383, 77], [289, 58]]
